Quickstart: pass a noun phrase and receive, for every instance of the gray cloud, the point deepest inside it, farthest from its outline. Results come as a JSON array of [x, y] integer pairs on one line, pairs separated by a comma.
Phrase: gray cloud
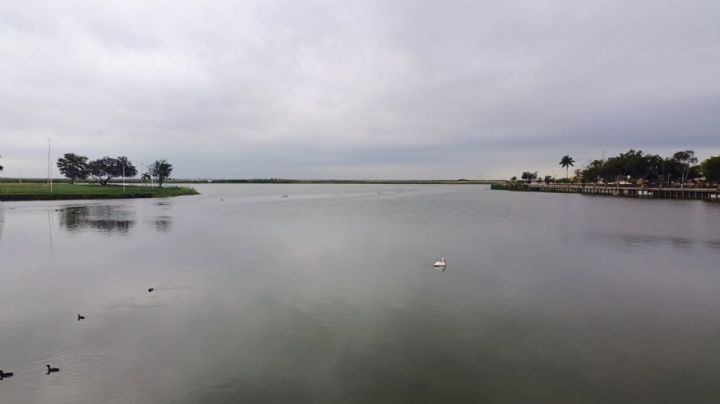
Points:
[[378, 89]]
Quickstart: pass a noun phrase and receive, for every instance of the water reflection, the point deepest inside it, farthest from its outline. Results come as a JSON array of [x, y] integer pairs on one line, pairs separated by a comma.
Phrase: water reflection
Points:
[[2, 220], [104, 218], [632, 241], [163, 224], [51, 227]]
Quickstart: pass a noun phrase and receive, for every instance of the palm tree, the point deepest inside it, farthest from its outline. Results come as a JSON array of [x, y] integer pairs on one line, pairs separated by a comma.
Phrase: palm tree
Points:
[[567, 162]]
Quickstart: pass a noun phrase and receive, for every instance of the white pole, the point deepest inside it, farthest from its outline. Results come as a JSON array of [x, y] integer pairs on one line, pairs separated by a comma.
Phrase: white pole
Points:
[[49, 175]]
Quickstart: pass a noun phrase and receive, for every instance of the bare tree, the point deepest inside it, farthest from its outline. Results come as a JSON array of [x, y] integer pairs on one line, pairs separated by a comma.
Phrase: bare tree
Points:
[[685, 159]]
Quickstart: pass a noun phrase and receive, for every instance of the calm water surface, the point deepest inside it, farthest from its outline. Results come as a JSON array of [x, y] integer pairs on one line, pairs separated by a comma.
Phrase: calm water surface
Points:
[[329, 295]]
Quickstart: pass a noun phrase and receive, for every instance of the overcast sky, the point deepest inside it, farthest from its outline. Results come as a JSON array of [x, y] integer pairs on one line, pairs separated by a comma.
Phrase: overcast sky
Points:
[[356, 89]]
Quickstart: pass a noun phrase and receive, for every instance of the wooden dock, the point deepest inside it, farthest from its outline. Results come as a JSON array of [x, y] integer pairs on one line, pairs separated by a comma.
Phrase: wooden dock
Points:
[[708, 194]]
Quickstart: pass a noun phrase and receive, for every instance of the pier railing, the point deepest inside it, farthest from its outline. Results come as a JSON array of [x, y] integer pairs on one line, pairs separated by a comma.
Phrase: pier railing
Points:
[[712, 194]]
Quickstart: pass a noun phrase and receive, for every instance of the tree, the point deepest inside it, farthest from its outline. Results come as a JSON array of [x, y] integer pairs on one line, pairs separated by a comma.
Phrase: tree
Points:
[[513, 179], [126, 167], [161, 170], [103, 170], [73, 166], [685, 158], [548, 179], [1, 167], [637, 165], [566, 162], [529, 176], [107, 168], [711, 169]]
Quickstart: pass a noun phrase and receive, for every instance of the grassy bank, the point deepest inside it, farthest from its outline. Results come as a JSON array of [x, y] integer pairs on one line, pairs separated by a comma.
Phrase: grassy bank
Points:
[[37, 192]]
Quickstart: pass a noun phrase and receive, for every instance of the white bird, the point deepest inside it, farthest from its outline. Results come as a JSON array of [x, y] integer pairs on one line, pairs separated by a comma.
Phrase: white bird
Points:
[[441, 263]]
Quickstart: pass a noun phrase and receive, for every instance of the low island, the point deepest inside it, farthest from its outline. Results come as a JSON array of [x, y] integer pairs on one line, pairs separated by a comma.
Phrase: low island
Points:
[[99, 181], [64, 191]]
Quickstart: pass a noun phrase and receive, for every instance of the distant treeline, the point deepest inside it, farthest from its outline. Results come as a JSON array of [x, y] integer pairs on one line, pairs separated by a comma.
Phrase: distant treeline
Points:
[[636, 166], [681, 167]]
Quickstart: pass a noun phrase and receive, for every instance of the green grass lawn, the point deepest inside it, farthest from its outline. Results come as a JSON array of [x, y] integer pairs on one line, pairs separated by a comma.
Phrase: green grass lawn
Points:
[[36, 191]]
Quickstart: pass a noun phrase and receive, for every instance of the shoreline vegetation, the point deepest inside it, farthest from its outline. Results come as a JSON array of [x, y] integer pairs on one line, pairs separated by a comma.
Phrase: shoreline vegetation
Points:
[[37, 191], [108, 178], [630, 174]]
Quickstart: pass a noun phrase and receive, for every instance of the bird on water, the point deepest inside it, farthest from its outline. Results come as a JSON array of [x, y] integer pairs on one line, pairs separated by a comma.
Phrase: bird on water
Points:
[[4, 375], [81, 317], [441, 263], [150, 290], [51, 370]]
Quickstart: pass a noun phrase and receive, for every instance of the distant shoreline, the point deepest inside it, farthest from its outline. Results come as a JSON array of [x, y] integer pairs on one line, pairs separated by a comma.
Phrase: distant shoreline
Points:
[[278, 181], [291, 181]]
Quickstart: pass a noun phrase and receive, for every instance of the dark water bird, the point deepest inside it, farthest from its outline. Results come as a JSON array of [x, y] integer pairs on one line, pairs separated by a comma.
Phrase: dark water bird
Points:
[[150, 290], [221, 199], [4, 375], [80, 317], [52, 370]]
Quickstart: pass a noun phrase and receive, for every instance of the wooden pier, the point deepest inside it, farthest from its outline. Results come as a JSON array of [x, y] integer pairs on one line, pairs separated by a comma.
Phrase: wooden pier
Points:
[[708, 194]]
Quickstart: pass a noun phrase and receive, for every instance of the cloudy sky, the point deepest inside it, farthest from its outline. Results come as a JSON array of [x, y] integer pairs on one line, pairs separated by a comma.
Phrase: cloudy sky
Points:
[[357, 89]]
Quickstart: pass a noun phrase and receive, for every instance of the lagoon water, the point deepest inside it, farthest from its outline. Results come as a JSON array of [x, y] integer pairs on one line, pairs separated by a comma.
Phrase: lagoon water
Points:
[[329, 295]]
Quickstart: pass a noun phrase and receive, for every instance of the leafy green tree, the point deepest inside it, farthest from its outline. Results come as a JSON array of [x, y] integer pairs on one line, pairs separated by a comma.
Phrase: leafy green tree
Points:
[[593, 172], [711, 169], [103, 169], [126, 167], [529, 176], [73, 166], [566, 162], [107, 168], [161, 170], [637, 165]]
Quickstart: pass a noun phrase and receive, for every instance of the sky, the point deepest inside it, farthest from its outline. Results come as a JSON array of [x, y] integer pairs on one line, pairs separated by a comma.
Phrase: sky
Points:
[[376, 89]]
